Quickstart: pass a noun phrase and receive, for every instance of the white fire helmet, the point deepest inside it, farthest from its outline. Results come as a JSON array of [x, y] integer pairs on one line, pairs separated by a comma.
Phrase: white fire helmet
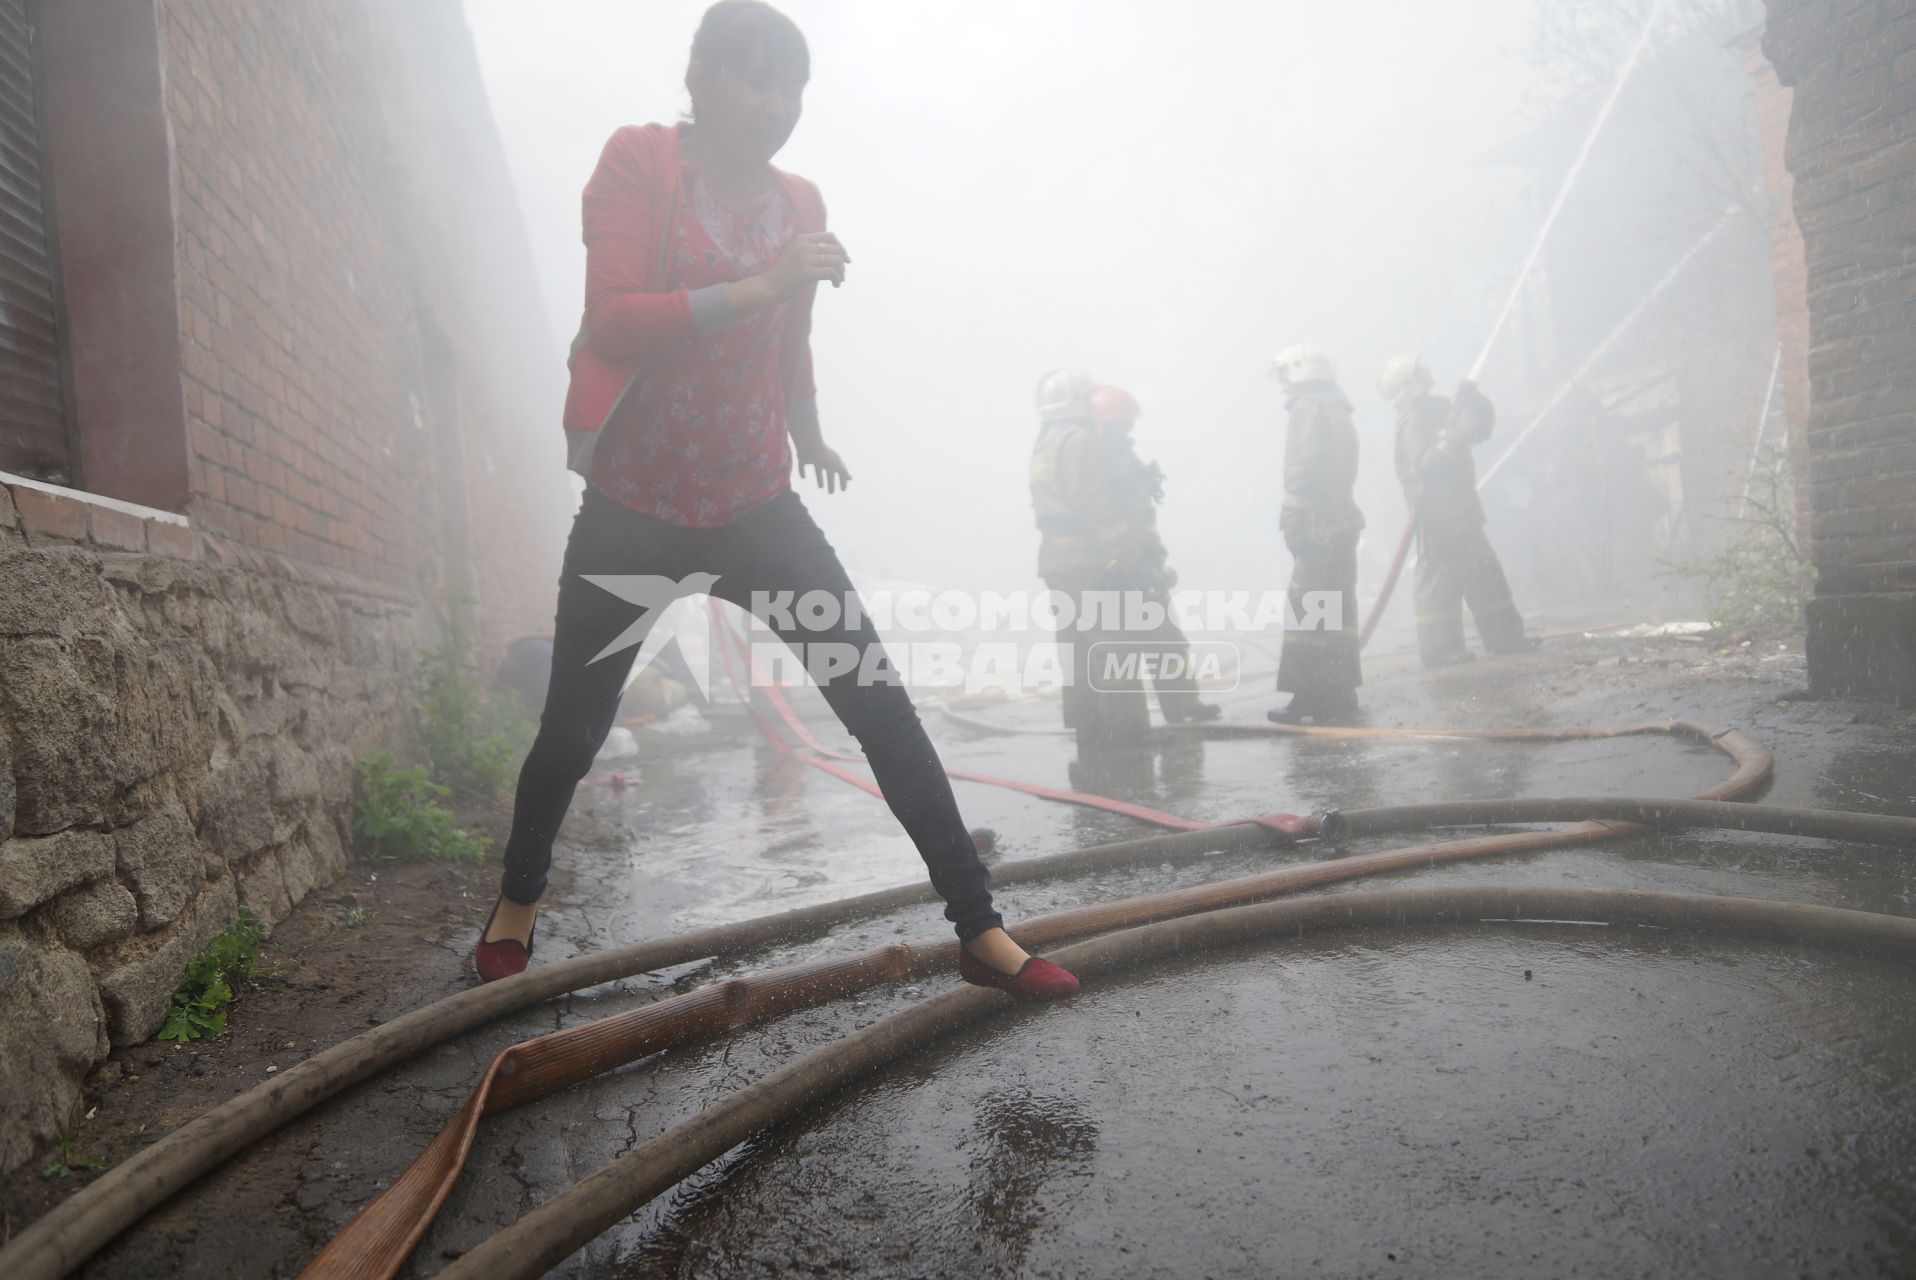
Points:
[[1064, 395], [1403, 378], [1303, 362]]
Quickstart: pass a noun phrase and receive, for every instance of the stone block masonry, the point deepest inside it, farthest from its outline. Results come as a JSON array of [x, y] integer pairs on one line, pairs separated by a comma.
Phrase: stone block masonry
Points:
[[177, 741], [304, 347]]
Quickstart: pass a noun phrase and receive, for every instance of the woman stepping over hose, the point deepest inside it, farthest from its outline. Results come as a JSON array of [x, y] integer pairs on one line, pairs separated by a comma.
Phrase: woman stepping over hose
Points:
[[691, 393]]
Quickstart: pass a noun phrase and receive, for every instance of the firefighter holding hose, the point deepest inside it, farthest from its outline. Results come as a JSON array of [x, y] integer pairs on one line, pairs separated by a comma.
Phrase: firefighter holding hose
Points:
[[1320, 520], [1456, 565], [1096, 505]]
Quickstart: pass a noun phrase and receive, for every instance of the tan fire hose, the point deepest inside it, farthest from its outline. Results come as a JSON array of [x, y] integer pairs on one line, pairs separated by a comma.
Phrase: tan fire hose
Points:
[[72, 1231], [557, 1228], [378, 1240], [69, 1234]]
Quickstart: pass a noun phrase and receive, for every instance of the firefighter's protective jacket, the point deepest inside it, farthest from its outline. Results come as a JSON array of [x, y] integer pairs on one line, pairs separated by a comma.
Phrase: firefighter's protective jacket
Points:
[[1320, 466], [1096, 505]]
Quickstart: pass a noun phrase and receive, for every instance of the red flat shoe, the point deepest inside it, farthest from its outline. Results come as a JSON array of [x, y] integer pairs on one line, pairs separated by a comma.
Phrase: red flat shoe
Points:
[[1036, 979], [507, 956]]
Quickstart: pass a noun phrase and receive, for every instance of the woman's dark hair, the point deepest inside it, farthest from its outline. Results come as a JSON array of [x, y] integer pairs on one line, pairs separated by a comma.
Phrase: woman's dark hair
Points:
[[751, 37]]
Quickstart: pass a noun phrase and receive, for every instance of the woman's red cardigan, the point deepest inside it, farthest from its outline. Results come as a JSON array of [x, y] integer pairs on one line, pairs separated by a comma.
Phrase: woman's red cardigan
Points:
[[628, 312]]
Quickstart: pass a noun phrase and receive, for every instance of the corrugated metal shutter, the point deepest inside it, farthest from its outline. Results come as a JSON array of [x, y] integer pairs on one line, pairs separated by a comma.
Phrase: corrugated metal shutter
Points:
[[33, 434]]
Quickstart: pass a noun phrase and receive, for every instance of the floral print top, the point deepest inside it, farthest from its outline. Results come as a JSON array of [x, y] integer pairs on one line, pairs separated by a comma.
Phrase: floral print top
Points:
[[701, 437]]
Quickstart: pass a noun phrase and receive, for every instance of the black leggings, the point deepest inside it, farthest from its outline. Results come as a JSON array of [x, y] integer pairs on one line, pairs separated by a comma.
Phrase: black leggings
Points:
[[775, 548]]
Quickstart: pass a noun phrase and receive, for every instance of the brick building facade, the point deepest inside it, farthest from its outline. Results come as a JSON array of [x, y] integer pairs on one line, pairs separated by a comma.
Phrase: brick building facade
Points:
[[1851, 153], [343, 339], [1789, 276], [274, 385]]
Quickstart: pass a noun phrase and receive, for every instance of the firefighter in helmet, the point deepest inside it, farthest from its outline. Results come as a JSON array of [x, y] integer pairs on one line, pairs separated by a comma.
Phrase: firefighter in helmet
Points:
[[1456, 565], [1096, 505], [1319, 666]]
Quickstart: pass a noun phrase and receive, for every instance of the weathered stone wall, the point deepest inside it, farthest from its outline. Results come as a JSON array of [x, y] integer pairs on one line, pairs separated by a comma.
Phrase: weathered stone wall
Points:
[[345, 360], [1852, 155], [177, 741]]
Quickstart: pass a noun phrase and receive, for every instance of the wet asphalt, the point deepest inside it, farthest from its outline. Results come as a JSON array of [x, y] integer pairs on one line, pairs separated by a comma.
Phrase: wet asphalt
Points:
[[1389, 1103], [1501, 1099]]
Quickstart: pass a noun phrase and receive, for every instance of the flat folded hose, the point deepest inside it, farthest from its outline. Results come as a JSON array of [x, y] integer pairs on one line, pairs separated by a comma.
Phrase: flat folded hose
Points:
[[72, 1231], [63, 1239], [377, 1241], [554, 1230]]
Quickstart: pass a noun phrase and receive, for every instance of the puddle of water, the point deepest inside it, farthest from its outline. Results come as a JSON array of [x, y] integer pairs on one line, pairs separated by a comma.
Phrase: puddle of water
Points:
[[1647, 1104]]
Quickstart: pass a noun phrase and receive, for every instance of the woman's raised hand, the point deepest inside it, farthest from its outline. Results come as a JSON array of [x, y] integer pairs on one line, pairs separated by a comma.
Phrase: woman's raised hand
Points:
[[809, 257]]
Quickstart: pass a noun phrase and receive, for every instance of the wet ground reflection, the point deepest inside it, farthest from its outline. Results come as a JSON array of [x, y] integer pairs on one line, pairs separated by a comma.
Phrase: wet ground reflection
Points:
[[1388, 1104]]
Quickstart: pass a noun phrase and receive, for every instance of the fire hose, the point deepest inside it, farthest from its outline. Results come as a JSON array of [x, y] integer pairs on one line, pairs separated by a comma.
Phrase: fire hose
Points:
[[736, 653], [66, 1236], [378, 1240], [551, 1232]]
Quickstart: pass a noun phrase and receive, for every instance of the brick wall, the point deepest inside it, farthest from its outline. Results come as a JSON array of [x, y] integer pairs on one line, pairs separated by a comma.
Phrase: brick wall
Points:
[[1789, 272], [294, 306], [504, 374], [1851, 153], [340, 352], [315, 392]]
